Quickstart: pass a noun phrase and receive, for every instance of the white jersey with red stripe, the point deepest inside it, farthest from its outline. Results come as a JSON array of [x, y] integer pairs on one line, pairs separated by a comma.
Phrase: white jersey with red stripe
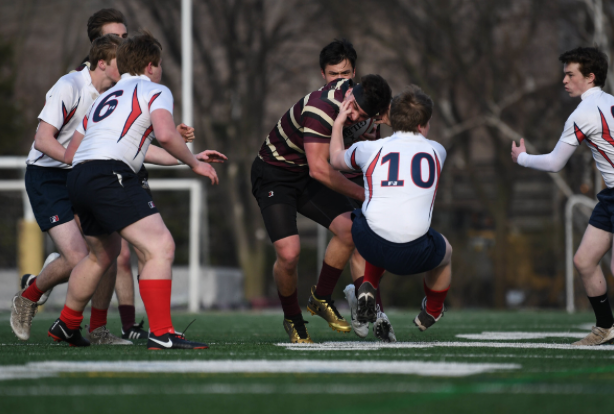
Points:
[[593, 122], [66, 104], [118, 125], [401, 176]]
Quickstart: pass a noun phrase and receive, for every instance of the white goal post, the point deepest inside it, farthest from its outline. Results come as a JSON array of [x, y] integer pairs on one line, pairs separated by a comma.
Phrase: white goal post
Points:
[[197, 227]]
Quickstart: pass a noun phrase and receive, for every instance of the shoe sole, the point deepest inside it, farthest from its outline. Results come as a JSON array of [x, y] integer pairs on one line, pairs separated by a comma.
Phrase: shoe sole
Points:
[[382, 330], [366, 311], [334, 328], [11, 322], [419, 324]]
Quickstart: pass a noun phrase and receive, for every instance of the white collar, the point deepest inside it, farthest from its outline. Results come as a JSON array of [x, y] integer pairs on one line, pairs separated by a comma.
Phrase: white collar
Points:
[[408, 135], [127, 75], [591, 91]]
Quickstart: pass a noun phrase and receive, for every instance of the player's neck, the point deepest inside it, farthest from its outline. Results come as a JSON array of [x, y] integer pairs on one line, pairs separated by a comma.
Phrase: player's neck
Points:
[[100, 81]]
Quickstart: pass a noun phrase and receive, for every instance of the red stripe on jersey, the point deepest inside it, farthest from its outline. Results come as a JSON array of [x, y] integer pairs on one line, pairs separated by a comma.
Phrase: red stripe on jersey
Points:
[[143, 138], [85, 123], [437, 181], [67, 116], [153, 98], [369, 175], [605, 129], [134, 114], [579, 134], [600, 151], [353, 160], [64, 111]]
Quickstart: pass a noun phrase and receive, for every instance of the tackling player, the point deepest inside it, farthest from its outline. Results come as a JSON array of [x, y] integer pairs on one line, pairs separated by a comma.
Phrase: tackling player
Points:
[[291, 174], [585, 70], [392, 229], [107, 150], [338, 61], [46, 175]]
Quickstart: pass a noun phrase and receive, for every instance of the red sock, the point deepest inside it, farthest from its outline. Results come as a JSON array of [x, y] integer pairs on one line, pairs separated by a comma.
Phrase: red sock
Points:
[[289, 304], [127, 315], [327, 280], [71, 318], [373, 274], [98, 318], [156, 295], [434, 300], [32, 292]]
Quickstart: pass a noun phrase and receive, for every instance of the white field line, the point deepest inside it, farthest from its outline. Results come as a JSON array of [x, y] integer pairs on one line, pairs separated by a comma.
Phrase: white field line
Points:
[[373, 346], [305, 389], [517, 336], [438, 369]]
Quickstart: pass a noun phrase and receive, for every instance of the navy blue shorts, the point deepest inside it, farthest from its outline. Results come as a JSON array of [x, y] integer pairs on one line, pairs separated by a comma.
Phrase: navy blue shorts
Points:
[[603, 213], [46, 188], [416, 256], [108, 196]]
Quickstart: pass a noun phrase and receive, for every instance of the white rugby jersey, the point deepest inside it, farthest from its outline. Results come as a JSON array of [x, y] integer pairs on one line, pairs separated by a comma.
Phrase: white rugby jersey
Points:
[[118, 125], [401, 175], [66, 104], [593, 122]]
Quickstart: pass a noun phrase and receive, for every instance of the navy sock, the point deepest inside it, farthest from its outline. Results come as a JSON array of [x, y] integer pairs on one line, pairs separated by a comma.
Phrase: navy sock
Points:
[[603, 311]]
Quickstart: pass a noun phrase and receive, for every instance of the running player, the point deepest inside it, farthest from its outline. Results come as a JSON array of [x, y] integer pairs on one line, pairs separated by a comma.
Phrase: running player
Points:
[[46, 174], [338, 61], [585, 70], [113, 141], [392, 229], [291, 174]]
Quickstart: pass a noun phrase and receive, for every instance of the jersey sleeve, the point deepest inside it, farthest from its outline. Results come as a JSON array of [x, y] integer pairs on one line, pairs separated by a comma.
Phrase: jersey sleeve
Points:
[[317, 124], [578, 126], [357, 157], [59, 105], [160, 98], [82, 127], [440, 150]]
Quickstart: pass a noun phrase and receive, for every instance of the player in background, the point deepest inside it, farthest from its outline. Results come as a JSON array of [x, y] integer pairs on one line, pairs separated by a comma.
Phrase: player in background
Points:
[[107, 150], [585, 70], [291, 174], [46, 175], [392, 229], [338, 61]]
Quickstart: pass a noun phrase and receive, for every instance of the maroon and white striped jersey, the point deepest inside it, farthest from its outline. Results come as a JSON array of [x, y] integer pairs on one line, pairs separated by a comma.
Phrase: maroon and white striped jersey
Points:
[[401, 176], [593, 122], [118, 125]]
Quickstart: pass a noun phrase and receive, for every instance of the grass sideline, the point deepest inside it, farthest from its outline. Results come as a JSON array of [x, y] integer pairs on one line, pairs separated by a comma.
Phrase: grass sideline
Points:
[[547, 380]]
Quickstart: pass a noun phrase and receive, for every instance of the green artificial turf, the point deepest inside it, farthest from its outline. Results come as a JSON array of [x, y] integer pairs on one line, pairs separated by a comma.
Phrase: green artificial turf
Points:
[[547, 380]]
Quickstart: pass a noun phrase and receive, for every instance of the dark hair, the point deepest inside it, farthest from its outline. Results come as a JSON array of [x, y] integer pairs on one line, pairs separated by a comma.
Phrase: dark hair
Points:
[[104, 48], [100, 18], [135, 53], [336, 52], [372, 94], [410, 109], [591, 60]]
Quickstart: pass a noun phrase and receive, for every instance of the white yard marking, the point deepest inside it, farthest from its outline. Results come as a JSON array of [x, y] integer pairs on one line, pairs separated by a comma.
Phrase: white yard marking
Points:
[[516, 336], [309, 389], [374, 346], [438, 369]]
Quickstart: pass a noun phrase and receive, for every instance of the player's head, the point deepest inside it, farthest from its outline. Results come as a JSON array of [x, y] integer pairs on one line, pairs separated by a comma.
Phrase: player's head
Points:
[[103, 54], [584, 68], [370, 97], [338, 60], [141, 55], [106, 21], [411, 111]]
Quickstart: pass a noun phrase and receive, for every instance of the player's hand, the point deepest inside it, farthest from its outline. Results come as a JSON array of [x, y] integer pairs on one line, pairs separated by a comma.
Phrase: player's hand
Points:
[[383, 118], [344, 110], [206, 170], [187, 132], [517, 150], [211, 156]]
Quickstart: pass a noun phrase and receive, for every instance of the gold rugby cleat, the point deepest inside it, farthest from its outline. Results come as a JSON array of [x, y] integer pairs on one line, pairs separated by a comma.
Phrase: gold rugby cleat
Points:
[[298, 334], [328, 312]]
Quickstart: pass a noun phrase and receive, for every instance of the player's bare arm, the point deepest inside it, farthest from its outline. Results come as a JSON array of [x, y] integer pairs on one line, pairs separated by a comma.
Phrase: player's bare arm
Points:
[[319, 169], [171, 141], [211, 156], [159, 156], [552, 162], [72, 148], [383, 118], [45, 141], [337, 148]]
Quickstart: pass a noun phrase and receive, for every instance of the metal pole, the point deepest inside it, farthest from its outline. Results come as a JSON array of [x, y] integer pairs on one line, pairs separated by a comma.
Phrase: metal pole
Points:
[[186, 65]]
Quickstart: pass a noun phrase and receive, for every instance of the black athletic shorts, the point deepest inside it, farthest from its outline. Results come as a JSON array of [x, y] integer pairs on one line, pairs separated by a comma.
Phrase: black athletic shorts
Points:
[[143, 175], [603, 213], [282, 193], [108, 196], [46, 188]]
